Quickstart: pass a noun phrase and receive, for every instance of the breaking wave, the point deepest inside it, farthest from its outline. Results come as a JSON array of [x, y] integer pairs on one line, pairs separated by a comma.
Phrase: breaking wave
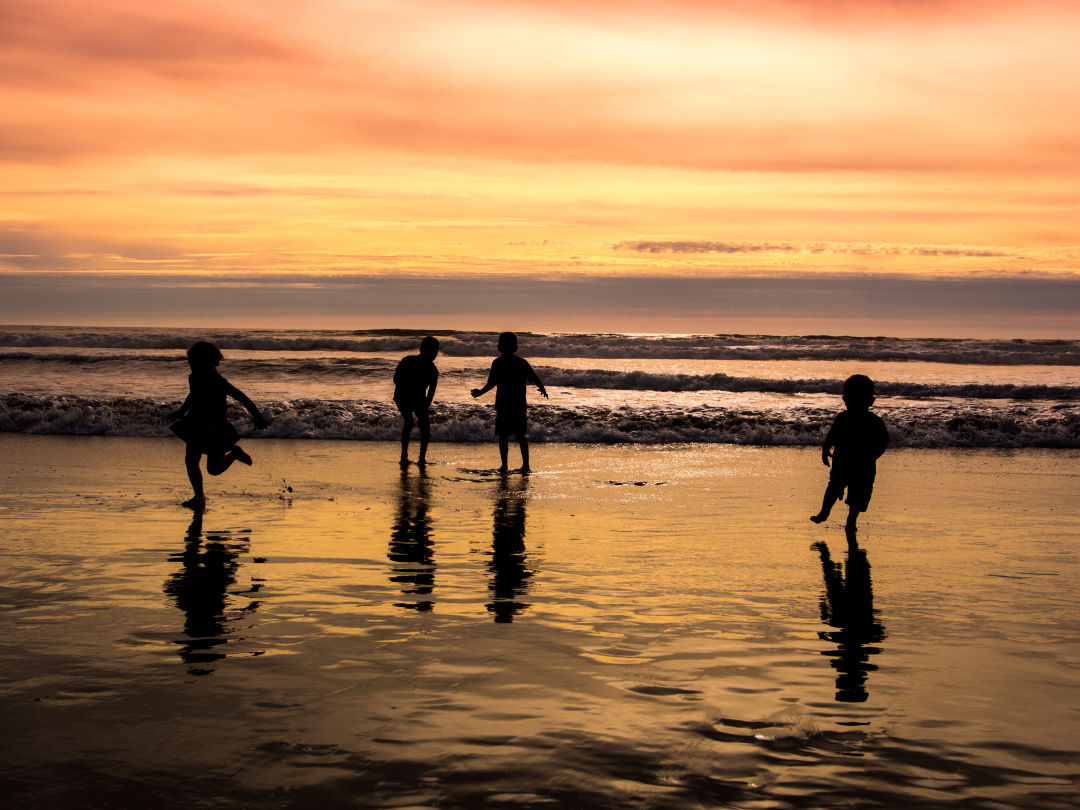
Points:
[[366, 420]]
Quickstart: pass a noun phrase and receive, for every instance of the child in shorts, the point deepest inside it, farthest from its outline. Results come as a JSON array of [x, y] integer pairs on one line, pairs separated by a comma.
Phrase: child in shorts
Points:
[[855, 441], [415, 380], [508, 376]]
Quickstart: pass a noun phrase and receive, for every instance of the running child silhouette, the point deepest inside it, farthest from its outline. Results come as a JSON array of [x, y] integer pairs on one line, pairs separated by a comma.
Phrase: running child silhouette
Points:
[[201, 421], [415, 379], [508, 376], [855, 441]]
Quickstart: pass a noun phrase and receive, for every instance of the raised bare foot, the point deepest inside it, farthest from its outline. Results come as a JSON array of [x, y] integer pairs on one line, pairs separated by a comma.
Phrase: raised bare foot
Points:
[[819, 518], [239, 454]]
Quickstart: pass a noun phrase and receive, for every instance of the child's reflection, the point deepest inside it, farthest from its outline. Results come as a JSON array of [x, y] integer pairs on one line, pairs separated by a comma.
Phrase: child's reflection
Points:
[[411, 546], [200, 589], [509, 575], [848, 606]]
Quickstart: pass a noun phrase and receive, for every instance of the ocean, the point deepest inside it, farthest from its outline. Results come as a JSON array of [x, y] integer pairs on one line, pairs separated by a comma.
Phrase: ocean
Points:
[[648, 620], [604, 388]]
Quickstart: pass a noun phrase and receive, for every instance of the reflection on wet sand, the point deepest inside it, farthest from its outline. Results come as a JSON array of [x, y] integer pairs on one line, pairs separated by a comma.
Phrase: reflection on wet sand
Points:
[[848, 606], [509, 574], [411, 546], [200, 590]]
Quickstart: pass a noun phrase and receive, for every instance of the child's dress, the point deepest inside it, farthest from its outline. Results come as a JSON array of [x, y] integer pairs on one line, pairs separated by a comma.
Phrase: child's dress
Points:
[[205, 424]]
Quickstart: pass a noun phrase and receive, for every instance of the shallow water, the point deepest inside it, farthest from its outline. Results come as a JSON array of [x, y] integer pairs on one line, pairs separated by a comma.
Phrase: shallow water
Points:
[[629, 626]]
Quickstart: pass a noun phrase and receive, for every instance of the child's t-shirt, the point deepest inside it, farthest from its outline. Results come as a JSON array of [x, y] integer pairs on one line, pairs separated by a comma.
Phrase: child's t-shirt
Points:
[[858, 439], [510, 373], [412, 378]]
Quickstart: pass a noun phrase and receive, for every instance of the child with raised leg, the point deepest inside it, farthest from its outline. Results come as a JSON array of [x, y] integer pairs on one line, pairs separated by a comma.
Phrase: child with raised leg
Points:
[[855, 441], [202, 422]]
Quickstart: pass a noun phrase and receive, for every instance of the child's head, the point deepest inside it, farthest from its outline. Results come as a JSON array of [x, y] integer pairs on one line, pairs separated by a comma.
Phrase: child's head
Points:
[[429, 347], [858, 392], [507, 343], [203, 355]]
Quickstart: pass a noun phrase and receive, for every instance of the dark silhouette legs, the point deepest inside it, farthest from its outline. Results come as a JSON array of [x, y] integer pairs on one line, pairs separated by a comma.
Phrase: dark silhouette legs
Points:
[[191, 461], [215, 465], [833, 493], [504, 452], [421, 420]]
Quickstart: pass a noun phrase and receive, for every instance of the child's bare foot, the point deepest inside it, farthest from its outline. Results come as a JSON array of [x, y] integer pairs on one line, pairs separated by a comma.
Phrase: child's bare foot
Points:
[[526, 470], [239, 454], [819, 518], [198, 502], [403, 462]]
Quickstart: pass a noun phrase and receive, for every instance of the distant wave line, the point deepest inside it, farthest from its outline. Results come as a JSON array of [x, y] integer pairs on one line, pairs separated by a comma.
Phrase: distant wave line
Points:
[[600, 346], [359, 368]]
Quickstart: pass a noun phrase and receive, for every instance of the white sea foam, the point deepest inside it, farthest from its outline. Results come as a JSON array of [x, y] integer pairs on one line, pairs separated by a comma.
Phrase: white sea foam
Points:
[[943, 426], [606, 388]]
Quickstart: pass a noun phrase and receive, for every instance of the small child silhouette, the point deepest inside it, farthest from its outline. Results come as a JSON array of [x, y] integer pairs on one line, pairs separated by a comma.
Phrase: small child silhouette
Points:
[[509, 375], [855, 441], [201, 421], [415, 380]]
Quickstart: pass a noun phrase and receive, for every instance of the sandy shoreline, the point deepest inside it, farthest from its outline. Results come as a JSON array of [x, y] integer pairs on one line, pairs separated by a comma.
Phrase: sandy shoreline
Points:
[[628, 625]]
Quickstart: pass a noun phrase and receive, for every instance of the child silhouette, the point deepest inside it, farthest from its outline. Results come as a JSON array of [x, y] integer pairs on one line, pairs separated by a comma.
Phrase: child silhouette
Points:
[[415, 379], [201, 421], [508, 376], [855, 441]]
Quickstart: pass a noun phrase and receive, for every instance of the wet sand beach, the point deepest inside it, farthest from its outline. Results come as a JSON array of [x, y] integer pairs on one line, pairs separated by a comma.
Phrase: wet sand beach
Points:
[[629, 626]]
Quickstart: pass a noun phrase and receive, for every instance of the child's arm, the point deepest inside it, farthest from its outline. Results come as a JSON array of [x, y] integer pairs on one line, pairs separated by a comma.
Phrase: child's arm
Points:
[[881, 440], [432, 387], [242, 398], [477, 392], [828, 445], [534, 378], [184, 408]]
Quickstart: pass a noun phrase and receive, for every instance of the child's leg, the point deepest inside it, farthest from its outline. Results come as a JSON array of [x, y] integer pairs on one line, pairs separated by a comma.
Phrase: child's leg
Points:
[[832, 494], [523, 443], [216, 465], [425, 434], [852, 518], [191, 461], [504, 450], [406, 431]]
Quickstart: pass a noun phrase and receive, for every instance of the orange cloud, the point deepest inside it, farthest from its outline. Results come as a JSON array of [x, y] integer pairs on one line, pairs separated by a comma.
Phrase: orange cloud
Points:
[[337, 135]]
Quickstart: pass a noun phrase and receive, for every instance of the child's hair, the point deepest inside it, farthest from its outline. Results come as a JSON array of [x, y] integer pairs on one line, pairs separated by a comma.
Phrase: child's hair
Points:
[[859, 390], [204, 354], [507, 342], [429, 346]]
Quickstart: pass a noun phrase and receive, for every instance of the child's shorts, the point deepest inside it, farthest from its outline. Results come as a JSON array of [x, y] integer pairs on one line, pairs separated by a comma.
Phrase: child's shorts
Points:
[[859, 489], [515, 422]]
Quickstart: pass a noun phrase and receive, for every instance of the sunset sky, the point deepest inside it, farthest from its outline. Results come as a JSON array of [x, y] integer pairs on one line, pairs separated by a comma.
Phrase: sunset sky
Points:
[[880, 166]]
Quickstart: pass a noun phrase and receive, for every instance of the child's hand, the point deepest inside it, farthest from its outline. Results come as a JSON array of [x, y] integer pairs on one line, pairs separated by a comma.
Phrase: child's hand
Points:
[[543, 393], [825, 456], [476, 392], [261, 422]]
